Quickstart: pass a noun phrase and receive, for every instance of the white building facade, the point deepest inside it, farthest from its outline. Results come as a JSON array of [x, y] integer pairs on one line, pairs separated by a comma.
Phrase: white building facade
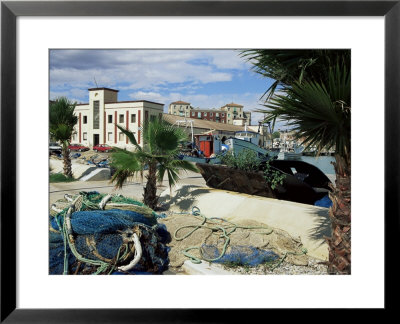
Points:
[[180, 108], [98, 119]]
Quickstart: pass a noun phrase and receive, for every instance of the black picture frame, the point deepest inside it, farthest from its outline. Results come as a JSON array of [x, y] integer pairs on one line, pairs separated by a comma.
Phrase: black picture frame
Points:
[[10, 10]]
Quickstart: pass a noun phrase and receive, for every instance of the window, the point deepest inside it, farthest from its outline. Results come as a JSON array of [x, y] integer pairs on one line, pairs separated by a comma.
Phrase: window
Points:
[[193, 114], [96, 114], [110, 119], [85, 119], [211, 114], [216, 114], [199, 115], [121, 118], [110, 137], [121, 137], [85, 136], [133, 118], [206, 114]]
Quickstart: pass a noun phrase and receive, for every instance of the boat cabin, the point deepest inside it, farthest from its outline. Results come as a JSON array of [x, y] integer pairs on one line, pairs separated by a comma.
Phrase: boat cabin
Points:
[[249, 136], [209, 144]]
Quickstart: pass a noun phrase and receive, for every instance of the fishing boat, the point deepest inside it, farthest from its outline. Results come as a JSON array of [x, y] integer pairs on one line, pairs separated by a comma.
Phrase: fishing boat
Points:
[[289, 150], [294, 153], [203, 148], [248, 140]]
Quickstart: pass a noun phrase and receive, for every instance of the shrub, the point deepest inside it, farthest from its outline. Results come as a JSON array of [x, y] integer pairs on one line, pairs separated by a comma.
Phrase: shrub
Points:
[[249, 161], [245, 160], [59, 177]]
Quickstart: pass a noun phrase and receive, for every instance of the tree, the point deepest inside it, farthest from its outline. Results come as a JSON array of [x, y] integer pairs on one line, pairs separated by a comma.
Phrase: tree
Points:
[[158, 155], [62, 121], [312, 92]]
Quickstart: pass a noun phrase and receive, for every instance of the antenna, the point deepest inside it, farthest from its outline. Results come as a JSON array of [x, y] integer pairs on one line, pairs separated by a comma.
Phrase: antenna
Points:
[[95, 82]]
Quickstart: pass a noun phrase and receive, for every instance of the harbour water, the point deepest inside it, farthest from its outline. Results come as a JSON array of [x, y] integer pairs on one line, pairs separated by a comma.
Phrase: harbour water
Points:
[[322, 162]]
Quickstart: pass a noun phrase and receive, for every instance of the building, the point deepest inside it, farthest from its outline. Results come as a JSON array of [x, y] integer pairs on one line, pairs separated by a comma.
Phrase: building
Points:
[[98, 119], [218, 116], [179, 108], [203, 126], [236, 115], [232, 113]]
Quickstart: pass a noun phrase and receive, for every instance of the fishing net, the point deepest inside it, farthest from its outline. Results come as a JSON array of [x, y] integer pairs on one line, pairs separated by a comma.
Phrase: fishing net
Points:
[[239, 255], [250, 243], [93, 233]]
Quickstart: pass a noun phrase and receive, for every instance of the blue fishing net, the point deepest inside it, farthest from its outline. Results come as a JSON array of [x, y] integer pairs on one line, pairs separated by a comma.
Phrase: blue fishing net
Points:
[[99, 236], [239, 255], [104, 221]]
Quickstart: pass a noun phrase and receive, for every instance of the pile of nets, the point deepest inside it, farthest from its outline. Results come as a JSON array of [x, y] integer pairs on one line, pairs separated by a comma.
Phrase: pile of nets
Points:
[[92, 233], [212, 239]]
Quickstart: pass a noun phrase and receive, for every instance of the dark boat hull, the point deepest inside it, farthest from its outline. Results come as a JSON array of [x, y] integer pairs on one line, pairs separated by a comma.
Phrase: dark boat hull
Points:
[[294, 188]]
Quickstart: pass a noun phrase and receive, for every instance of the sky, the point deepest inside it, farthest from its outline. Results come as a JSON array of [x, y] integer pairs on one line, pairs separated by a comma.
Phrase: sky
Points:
[[204, 78]]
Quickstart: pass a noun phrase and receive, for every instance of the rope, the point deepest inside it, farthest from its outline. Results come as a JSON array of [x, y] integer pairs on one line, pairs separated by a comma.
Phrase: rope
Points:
[[68, 238], [224, 230]]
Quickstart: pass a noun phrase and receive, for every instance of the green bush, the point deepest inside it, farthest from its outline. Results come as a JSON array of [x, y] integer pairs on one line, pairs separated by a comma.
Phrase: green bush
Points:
[[59, 177], [246, 160], [272, 176], [249, 161]]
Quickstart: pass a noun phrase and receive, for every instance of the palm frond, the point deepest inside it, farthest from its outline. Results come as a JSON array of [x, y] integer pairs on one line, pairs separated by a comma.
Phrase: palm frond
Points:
[[130, 135], [316, 112]]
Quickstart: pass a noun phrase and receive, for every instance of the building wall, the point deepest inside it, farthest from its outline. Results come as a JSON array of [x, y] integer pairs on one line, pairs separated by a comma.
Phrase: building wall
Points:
[[211, 115], [179, 109], [111, 115]]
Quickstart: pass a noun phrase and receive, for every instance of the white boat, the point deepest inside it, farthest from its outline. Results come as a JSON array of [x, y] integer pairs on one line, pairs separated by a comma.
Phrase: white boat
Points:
[[247, 140], [291, 154]]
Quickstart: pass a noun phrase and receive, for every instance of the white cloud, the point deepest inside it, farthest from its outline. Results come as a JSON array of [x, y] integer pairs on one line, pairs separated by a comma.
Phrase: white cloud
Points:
[[141, 68]]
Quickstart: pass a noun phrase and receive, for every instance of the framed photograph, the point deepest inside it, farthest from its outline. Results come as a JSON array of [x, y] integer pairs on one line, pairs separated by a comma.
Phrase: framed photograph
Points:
[[48, 50]]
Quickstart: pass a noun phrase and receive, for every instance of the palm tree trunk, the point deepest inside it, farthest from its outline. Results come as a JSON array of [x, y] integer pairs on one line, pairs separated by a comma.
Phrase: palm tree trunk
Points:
[[150, 191], [340, 215], [67, 162]]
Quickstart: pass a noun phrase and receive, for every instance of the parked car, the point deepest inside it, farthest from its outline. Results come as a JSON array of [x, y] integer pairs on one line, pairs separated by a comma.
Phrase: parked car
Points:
[[78, 147], [55, 148], [102, 148]]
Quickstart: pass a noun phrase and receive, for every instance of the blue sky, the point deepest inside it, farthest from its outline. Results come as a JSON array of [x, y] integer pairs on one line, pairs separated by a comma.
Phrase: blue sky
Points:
[[205, 78]]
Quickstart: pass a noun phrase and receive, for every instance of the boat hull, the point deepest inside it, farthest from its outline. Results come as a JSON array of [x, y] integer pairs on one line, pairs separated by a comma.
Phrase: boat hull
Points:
[[300, 188], [194, 159], [237, 145]]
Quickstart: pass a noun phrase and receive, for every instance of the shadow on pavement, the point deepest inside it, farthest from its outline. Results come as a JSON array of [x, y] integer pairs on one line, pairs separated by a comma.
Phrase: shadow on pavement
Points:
[[183, 197]]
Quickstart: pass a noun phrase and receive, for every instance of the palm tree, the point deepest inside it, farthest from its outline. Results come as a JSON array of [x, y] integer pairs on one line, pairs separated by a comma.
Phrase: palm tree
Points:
[[161, 146], [314, 97], [62, 121]]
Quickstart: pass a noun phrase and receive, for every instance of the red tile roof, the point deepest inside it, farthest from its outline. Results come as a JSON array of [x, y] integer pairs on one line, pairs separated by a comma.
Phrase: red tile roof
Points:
[[180, 103], [233, 105]]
